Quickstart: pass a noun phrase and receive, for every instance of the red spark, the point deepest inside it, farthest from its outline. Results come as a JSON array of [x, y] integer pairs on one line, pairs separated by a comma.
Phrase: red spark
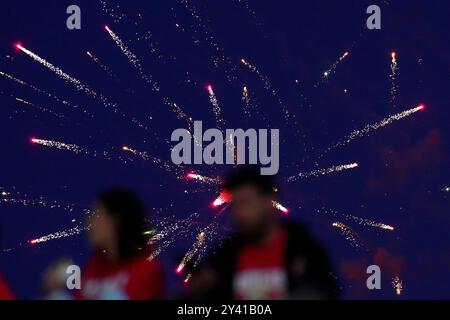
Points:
[[33, 140], [191, 175], [18, 45]]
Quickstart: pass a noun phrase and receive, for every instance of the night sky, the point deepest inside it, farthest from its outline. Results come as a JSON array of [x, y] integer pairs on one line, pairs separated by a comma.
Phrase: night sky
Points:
[[403, 168]]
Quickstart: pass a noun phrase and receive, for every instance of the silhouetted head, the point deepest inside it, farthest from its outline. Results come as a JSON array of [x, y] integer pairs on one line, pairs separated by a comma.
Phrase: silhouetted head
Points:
[[118, 224], [251, 200]]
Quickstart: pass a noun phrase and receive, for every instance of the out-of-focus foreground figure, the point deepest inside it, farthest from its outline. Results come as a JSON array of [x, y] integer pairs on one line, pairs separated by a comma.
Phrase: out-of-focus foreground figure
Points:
[[120, 268], [267, 258], [5, 292]]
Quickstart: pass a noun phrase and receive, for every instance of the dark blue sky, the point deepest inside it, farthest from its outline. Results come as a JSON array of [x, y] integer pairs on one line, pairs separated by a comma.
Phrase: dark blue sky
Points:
[[403, 167]]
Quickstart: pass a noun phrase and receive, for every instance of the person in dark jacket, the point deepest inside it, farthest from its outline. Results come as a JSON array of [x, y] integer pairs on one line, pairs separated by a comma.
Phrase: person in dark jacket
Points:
[[266, 258]]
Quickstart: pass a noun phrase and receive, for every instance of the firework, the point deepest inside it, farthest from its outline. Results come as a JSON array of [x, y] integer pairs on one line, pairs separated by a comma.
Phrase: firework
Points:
[[332, 69], [268, 86], [198, 245], [170, 231], [113, 11], [361, 221], [165, 165], [349, 234], [216, 106], [247, 8], [397, 284], [200, 29], [60, 145], [102, 66], [225, 197], [133, 59], [10, 77], [59, 72], [41, 91], [204, 179], [188, 278], [78, 84], [280, 207], [322, 172], [55, 114], [76, 149], [372, 127], [246, 100], [58, 235], [393, 78]]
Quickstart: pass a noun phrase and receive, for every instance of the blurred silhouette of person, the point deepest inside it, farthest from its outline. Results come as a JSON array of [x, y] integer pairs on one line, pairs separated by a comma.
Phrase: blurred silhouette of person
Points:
[[5, 291], [120, 268], [54, 282], [266, 258]]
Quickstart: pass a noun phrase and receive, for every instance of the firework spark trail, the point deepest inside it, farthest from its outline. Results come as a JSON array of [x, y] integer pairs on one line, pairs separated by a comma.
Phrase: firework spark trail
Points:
[[204, 179], [79, 85], [361, 221], [165, 165], [198, 245], [268, 86], [246, 100], [55, 114], [113, 11], [170, 232], [102, 66], [218, 55], [397, 284], [349, 234], [216, 107], [116, 13], [251, 106], [280, 207], [16, 198], [225, 197], [372, 127], [10, 77], [135, 62], [58, 235], [331, 70], [46, 93], [60, 146], [322, 172], [249, 10], [393, 78], [370, 223], [76, 149]]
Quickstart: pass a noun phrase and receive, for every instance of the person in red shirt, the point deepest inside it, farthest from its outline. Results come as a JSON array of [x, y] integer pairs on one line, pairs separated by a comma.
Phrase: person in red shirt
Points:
[[5, 292], [121, 267], [266, 258]]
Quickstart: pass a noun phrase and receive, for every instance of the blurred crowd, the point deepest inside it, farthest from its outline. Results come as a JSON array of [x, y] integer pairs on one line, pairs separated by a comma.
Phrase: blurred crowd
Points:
[[264, 258]]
